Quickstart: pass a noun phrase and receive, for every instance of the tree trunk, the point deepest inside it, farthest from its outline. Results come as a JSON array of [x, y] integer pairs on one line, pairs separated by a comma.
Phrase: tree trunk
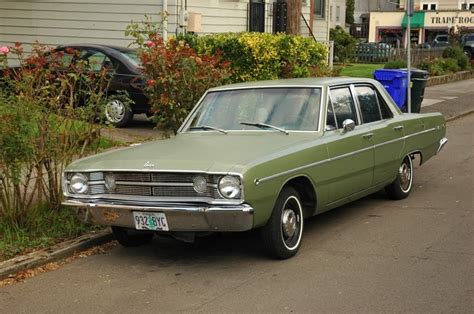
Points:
[[294, 17]]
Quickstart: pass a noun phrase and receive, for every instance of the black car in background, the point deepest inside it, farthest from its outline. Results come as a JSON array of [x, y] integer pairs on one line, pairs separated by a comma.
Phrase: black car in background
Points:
[[124, 67]]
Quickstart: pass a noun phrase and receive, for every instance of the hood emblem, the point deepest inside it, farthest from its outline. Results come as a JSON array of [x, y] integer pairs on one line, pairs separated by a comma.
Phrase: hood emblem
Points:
[[149, 164]]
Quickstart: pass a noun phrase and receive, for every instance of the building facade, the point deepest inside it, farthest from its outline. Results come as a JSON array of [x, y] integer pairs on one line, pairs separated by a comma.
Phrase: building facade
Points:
[[55, 22], [429, 19]]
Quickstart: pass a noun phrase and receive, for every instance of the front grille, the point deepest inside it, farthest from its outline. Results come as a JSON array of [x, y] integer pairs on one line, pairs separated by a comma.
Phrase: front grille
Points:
[[154, 184]]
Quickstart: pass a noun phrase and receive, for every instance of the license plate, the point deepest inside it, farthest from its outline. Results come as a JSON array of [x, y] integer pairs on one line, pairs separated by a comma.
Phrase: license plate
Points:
[[150, 221]]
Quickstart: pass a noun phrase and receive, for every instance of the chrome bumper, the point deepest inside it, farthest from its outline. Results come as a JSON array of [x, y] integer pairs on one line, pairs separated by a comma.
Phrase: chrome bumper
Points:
[[442, 142], [180, 217]]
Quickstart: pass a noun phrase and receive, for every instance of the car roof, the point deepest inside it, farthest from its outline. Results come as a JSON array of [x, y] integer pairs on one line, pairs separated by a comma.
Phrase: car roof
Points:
[[297, 82], [97, 46]]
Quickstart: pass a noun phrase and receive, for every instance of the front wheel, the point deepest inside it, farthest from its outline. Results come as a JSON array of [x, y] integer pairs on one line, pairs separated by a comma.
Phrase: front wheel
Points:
[[117, 113], [283, 232], [130, 238], [401, 187]]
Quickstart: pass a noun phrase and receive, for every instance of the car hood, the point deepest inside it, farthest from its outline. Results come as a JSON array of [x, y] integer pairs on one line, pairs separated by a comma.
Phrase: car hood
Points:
[[197, 151]]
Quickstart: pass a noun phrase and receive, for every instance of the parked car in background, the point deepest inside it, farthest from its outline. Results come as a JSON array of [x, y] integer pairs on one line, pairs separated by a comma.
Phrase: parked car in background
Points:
[[467, 43], [441, 40], [392, 39], [124, 67], [258, 155]]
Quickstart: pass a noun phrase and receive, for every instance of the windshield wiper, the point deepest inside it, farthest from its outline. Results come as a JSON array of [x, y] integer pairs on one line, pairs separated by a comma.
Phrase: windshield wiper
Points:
[[264, 125], [207, 127]]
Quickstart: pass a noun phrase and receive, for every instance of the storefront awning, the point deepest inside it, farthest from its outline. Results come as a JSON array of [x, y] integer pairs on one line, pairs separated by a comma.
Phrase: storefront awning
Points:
[[416, 21]]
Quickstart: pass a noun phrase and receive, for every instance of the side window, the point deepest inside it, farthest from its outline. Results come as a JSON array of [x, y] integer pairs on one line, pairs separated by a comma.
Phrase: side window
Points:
[[330, 118], [343, 105], [369, 106], [97, 61], [384, 109]]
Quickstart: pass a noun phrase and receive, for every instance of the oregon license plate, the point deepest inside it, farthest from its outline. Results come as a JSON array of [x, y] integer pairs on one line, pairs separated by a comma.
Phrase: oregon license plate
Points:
[[150, 221]]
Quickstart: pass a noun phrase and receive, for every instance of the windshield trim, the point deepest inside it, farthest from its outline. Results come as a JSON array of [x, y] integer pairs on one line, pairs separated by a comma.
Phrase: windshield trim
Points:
[[188, 119]]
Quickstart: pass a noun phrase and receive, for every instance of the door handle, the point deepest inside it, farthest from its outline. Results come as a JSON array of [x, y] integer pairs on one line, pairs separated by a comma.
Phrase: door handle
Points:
[[398, 128], [368, 136]]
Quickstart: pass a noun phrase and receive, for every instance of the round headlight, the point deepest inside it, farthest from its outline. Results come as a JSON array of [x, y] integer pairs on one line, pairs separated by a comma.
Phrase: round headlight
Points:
[[200, 184], [229, 187], [78, 183]]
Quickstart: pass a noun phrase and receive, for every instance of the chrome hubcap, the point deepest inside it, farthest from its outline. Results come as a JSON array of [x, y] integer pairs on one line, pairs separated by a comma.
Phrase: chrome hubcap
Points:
[[115, 111], [405, 176], [289, 223]]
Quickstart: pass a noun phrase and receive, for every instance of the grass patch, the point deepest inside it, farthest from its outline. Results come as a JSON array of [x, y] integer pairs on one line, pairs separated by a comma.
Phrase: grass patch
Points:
[[49, 227], [360, 70]]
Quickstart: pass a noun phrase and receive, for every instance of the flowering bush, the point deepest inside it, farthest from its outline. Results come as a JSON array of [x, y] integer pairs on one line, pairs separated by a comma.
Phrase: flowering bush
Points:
[[49, 111], [175, 75]]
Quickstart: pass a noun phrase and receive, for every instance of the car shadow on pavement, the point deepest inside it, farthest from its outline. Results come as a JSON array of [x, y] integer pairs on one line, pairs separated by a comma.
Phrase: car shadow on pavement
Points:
[[166, 251]]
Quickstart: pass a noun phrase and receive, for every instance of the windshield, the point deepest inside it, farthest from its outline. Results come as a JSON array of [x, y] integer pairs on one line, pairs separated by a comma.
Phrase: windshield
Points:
[[283, 109]]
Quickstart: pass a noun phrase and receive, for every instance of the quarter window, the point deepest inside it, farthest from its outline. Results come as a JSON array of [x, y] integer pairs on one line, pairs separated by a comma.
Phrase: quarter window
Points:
[[343, 105], [369, 106]]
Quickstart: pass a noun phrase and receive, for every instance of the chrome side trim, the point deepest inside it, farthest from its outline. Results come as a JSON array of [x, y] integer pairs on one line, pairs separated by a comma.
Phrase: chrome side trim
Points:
[[442, 142], [258, 181]]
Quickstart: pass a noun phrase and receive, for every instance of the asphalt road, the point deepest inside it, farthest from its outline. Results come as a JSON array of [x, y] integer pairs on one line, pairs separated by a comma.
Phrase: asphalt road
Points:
[[374, 255]]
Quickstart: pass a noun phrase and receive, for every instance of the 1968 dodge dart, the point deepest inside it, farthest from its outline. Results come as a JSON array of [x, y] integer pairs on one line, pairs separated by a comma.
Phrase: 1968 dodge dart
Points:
[[258, 155]]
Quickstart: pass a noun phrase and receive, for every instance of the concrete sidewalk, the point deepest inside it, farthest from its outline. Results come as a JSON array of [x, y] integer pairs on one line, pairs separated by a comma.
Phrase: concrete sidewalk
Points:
[[453, 99]]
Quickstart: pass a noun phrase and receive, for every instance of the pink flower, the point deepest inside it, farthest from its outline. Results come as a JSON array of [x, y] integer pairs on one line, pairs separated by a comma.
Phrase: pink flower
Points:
[[150, 82], [4, 50], [150, 44]]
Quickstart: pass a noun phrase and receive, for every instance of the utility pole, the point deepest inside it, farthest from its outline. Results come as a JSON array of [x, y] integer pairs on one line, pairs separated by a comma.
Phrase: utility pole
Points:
[[294, 17]]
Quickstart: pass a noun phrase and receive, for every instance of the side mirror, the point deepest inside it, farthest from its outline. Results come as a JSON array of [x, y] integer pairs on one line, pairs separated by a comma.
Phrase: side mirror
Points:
[[348, 125]]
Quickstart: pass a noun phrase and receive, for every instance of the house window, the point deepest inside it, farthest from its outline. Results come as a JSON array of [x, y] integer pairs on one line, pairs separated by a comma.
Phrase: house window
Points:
[[466, 5], [319, 7], [429, 6], [338, 13]]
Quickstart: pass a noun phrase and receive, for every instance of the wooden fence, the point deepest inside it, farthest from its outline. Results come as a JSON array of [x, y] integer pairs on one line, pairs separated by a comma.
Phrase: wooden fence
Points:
[[381, 53]]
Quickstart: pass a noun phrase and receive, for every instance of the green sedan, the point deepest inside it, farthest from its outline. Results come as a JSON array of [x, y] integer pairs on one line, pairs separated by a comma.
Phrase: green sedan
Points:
[[258, 155]]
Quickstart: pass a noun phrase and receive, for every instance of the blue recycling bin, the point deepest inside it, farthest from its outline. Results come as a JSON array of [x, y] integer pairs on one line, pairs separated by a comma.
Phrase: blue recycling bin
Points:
[[395, 82]]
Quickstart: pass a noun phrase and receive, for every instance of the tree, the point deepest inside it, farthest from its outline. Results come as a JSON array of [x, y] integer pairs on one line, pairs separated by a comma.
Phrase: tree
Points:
[[344, 44], [294, 17], [350, 11]]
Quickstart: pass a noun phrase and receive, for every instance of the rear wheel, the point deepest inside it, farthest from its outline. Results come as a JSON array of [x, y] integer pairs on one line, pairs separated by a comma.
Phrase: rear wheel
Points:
[[283, 231], [130, 237], [117, 113], [401, 187]]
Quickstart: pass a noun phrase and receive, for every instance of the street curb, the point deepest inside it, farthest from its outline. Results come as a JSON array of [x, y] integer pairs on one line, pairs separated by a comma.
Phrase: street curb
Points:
[[450, 78], [458, 116], [53, 253]]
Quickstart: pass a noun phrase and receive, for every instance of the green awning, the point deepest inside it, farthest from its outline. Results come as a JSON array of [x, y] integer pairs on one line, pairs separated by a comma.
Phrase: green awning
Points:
[[416, 21]]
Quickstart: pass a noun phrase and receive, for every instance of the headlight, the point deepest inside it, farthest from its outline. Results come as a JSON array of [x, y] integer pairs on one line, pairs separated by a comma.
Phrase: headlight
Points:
[[229, 187], [200, 184], [78, 183]]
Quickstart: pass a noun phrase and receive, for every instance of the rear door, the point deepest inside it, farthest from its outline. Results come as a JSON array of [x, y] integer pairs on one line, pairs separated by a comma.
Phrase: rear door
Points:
[[387, 132], [351, 156]]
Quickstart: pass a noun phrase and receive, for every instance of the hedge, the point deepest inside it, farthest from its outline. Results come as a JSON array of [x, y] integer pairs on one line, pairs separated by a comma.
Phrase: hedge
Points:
[[263, 56]]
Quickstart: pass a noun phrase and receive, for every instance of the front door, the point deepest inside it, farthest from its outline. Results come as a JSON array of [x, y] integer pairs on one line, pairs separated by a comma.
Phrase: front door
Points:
[[351, 155]]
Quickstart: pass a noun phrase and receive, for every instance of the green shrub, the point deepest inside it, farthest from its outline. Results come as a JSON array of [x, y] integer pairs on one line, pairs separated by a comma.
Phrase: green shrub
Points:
[[263, 56], [450, 64], [458, 54], [47, 117], [396, 64], [344, 44]]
